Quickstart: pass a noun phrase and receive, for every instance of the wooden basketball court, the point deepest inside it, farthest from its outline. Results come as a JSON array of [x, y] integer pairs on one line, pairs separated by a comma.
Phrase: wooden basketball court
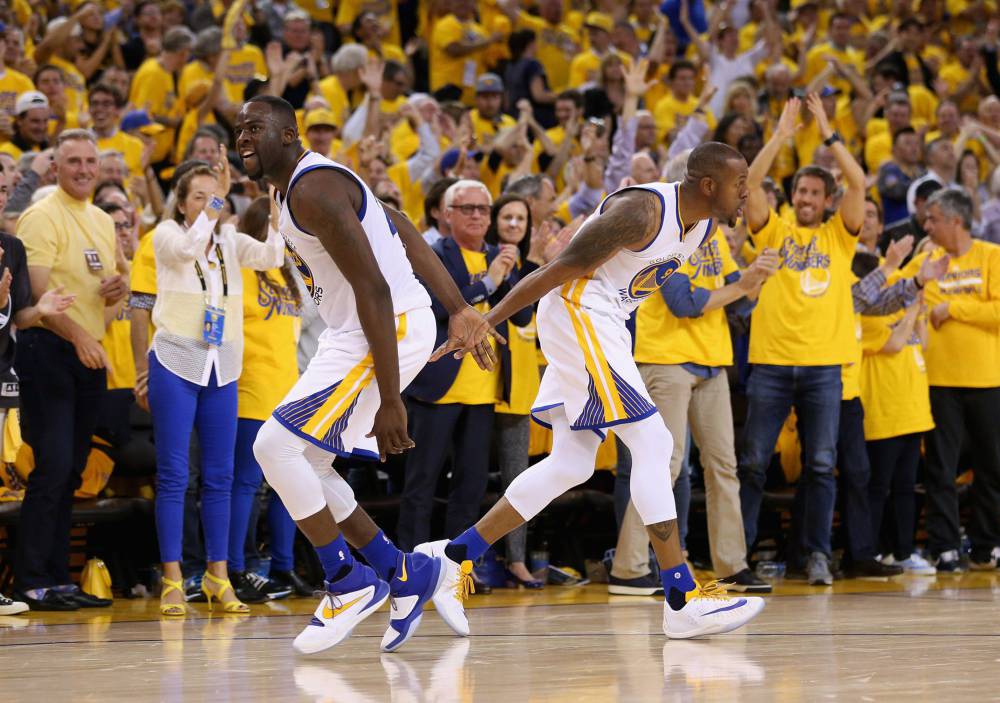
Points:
[[908, 638]]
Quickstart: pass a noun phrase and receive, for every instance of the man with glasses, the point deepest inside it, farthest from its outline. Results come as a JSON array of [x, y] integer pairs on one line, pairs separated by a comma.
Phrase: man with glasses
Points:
[[452, 400]]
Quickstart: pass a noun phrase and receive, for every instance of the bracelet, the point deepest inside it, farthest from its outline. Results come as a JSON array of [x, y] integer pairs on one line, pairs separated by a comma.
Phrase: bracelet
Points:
[[833, 139], [216, 203]]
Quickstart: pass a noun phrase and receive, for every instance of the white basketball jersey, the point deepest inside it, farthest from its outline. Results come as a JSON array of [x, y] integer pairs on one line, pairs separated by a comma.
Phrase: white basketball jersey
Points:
[[329, 289], [622, 282]]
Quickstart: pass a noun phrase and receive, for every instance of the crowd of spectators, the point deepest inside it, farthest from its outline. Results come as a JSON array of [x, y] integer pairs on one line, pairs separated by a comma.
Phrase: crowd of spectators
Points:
[[865, 372]]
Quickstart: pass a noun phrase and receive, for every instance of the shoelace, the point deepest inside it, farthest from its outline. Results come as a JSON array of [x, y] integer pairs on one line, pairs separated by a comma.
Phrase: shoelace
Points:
[[713, 590], [256, 580], [335, 604], [465, 585]]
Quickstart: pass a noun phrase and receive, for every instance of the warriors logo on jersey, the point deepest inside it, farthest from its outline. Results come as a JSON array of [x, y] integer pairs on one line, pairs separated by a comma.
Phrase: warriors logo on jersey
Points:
[[302, 267], [649, 280]]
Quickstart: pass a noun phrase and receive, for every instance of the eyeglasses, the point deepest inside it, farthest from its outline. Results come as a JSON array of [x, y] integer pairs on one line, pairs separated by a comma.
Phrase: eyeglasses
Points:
[[123, 226], [470, 210]]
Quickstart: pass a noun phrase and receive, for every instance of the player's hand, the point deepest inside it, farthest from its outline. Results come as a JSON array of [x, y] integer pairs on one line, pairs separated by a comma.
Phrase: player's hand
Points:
[[469, 333], [932, 270], [898, 250], [389, 429], [940, 314]]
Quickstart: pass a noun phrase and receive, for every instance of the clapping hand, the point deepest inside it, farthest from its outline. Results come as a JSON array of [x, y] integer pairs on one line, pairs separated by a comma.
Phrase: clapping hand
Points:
[[932, 270], [898, 250]]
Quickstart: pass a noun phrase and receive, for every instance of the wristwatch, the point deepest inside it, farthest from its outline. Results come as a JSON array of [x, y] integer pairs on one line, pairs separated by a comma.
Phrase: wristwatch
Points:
[[833, 139], [216, 203]]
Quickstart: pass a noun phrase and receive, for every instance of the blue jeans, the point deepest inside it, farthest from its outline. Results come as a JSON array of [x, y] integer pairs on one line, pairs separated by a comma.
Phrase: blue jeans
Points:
[[179, 406], [247, 478], [814, 392]]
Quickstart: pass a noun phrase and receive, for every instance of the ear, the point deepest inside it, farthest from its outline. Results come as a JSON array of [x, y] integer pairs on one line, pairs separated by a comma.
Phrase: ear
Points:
[[707, 186]]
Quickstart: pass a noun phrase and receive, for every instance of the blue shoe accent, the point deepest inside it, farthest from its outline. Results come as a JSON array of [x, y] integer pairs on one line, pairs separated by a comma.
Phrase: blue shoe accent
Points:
[[317, 622], [738, 604], [416, 581]]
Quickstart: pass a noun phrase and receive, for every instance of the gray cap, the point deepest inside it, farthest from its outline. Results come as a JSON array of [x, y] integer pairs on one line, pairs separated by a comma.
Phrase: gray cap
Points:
[[489, 83]]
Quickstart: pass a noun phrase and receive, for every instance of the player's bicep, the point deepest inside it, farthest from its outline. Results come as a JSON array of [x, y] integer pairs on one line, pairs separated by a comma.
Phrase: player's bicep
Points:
[[627, 220]]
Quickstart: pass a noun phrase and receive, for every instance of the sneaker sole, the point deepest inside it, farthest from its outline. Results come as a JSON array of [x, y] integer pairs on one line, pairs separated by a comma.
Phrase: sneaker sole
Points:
[[633, 591], [415, 623]]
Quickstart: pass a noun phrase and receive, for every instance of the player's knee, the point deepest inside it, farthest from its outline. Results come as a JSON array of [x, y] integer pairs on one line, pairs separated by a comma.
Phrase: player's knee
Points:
[[270, 447]]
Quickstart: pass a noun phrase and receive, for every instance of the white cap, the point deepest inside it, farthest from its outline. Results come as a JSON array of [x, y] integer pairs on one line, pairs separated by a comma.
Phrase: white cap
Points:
[[29, 100]]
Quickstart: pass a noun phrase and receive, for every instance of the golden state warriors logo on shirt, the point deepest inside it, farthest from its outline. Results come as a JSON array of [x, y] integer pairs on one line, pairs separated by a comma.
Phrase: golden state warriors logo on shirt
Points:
[[811, 263], [301, 267], [649, 280], [706, 262], [277, 300]]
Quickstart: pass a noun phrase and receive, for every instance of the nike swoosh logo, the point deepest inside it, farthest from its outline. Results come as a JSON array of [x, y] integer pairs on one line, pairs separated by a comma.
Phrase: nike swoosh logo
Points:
[[329, 613], [403, 577]]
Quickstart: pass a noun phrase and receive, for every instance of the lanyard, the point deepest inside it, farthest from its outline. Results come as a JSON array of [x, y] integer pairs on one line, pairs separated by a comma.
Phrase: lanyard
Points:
[[222, 268]]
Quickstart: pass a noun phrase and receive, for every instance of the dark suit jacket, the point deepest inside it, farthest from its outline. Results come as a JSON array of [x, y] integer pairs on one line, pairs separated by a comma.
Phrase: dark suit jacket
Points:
[[436, 378]]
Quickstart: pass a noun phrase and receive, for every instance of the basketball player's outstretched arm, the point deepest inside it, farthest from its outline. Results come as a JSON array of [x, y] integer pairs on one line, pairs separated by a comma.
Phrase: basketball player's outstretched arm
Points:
[[466, 326], [324, 206], [630, 219]]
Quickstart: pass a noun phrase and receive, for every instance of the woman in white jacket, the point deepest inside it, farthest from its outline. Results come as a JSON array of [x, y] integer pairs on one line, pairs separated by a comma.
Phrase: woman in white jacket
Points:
[[194, 362]]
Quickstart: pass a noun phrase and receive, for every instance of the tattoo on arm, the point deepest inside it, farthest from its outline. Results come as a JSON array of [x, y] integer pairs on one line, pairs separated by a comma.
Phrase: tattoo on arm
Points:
[[662, 530], [627, 220]]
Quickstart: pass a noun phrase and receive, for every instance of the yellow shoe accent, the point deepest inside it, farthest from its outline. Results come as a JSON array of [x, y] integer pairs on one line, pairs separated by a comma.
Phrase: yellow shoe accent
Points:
[[172, 609], [330, 613], [233, 606], [712, 590], [404, 576], [465, 586]]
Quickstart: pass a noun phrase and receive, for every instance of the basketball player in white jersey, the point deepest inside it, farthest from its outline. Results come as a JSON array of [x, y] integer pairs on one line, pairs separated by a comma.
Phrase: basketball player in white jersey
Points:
[[622, 253], [357, 258]]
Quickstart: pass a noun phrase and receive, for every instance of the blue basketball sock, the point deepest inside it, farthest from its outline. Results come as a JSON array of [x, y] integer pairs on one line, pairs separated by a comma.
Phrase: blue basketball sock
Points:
[[336, 559], [468, 545], [677, 582], [382, 554]]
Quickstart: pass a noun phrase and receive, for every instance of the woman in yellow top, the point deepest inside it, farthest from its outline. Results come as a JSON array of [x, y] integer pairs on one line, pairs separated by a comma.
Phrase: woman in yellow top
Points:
[[510, 223], [896, 399], [272, 306]]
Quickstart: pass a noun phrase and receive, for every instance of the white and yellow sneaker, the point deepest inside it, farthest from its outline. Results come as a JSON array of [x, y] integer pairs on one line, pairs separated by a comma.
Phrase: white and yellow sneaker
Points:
[[339, 613], [709, 611], [456, 585]]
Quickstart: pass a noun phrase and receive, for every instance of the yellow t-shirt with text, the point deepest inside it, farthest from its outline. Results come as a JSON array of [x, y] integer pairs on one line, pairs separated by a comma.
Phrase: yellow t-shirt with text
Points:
[[805, 314], [662, 338], [117, 342], [965, 351]]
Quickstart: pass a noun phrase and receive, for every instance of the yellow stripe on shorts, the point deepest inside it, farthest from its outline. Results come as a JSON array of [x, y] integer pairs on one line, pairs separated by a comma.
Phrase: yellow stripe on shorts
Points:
[[356, 380], [593, 355]]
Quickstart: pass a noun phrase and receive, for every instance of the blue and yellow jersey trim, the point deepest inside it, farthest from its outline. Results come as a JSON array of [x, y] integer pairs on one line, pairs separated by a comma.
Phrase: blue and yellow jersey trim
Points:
[[611, 399], [322, 417]]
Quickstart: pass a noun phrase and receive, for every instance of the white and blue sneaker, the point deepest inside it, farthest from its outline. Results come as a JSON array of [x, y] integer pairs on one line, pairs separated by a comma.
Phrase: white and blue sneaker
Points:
[[915, 564], [455, 587], [709, 611], [339, 612], [417, 579]]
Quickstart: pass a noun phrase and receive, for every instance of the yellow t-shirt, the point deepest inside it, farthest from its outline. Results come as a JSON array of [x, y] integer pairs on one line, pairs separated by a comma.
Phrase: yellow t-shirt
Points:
[[153, 89], [556, 45], [64, 234], [76, 84], [662, 338], [805, 313], [965, 351], [271, 324], [128, 146], [669, 108], [411, 191], [188, 128], [460, 71], [143, 277], [335, 95], [486, 129], [816, 61], [878, 150], [386, 10], [319, 10], [472, 385], [586, 67], [244, 63], [117, 342], [894, 389], [12, 84], [850, 374], [193, 73]]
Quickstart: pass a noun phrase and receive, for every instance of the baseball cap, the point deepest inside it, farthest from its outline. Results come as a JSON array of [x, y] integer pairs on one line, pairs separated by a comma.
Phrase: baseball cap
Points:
[[140, 119], [489, 83], [321, 117], [29, 100], [829, 90], [449, 160], [599, 20]]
